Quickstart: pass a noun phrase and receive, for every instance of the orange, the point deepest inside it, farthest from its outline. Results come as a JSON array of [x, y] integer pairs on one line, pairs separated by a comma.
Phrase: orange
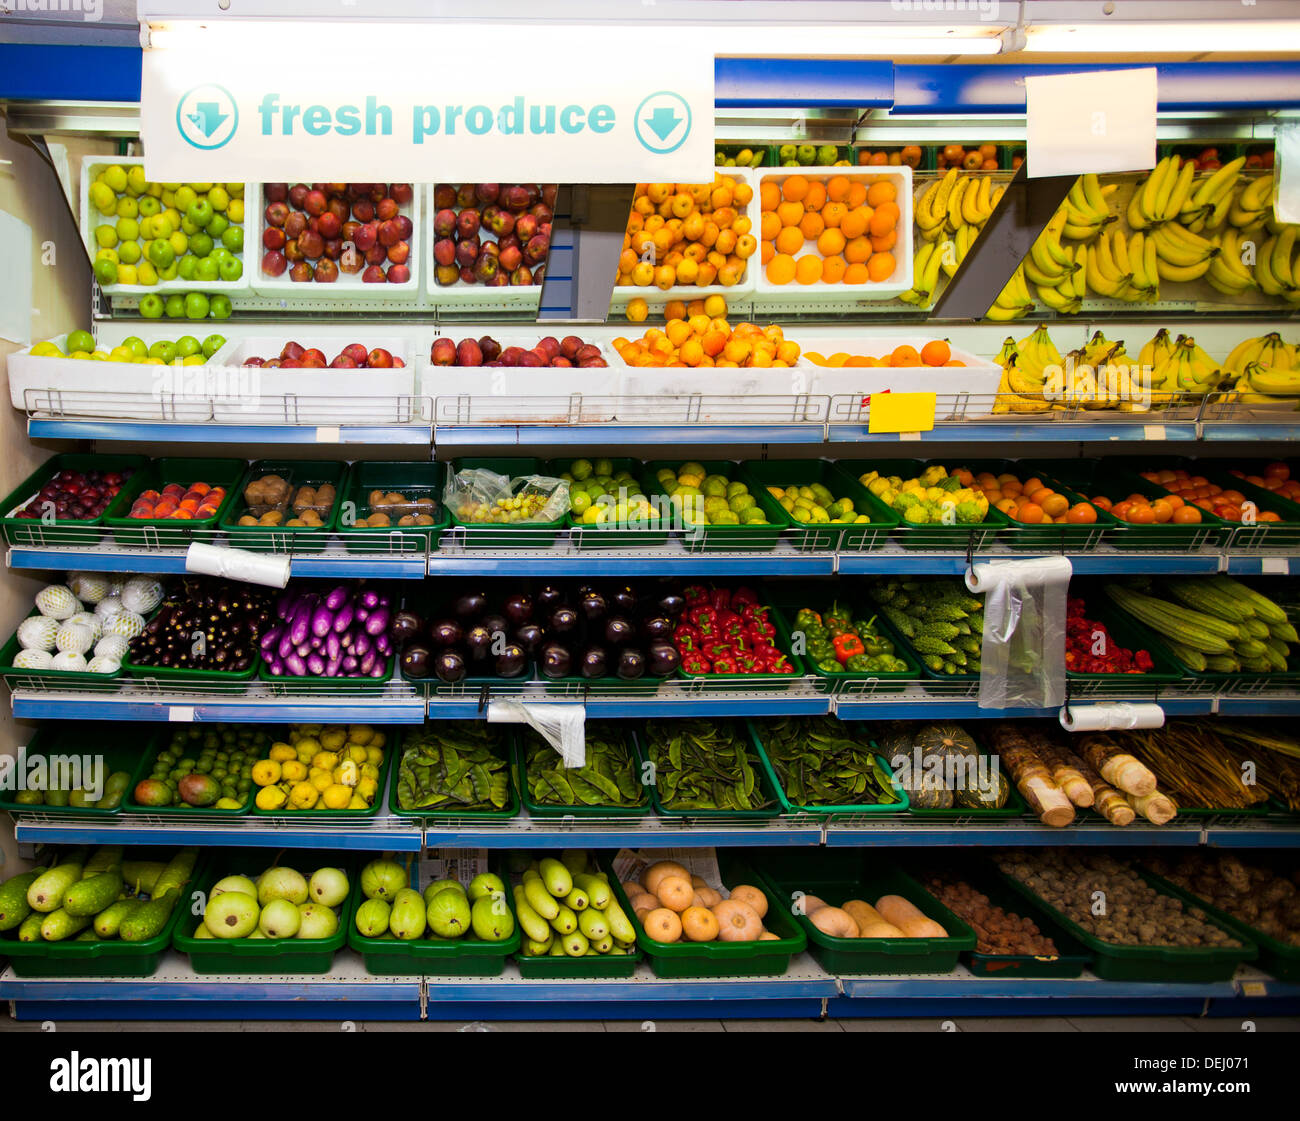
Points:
[[1029, 512], [904, 355], [720, 197], [1056, 505], [770, 225], [769, 195], [833, 272], [878, 159], [816, 196], [675, 309], [790, 213], [954, 362], [884, 218], [789, 240], [881, 244], [1101, 502], [627, 261], [880, 192], [856, 274], [812, 225], [1162, 510], [713, 342], [1081, 514], [854, 223], [1040, 495], [857, 195], [856, 250], [833, 214], [1141, 515], [794, 188], [808, 269], [678, 331], [936, 352], [665, 277], [831, 243], [881, 266], [767, 252], [695, 307], [837, 188], [780, 270], [742, 192]]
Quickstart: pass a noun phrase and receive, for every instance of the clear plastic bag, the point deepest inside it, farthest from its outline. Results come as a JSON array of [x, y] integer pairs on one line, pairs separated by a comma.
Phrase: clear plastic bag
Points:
[[563, 726], [1022, 656], [478, 495]]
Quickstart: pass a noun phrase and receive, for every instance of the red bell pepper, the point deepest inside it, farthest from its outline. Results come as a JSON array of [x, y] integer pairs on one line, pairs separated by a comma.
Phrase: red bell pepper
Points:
[[761, 630], [749, 663], [720, 599], [743, 595], [695, 594], [704, 620], [725, 665], [846, 646], [696, 663], [715, 650], [684, 632], [779, 664], [730, 624]]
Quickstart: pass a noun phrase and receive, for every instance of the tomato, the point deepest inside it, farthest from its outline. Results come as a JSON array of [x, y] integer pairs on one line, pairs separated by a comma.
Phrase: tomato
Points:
[[1187, 515]]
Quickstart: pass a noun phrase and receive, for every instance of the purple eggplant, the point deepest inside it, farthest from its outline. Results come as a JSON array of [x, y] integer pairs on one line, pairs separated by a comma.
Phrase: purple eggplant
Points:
[[415, 660], [362, 614], [511, 662], [383, 645], [333, 648], [378, 621], [595, 663], [495, 624], [302, 649], [380, 668], [315, 664], [618, 631], [446, 632], [350, 663], [672, 605], [662, 659], [316, 643], [275, 668], [470, 605], [270, 638], [362, 645], [405, 626], [337, 597], [530, 636], [555, 660], [449, 666], [332, 667], [367, 663], [518, 609], [369, 599], [563, 620], [294, 666], [631, 664], [300, 623], [322, 621], [478, 643], [343, 618], [285, 646]]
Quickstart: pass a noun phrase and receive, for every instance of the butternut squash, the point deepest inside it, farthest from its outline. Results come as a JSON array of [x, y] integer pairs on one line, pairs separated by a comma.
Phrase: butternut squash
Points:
[[865, 915], [897, 910], [835, 922], [924, 928], [880, 929]]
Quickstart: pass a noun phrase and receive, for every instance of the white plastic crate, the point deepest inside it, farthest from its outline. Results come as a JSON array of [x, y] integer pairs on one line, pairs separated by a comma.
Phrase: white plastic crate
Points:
[[90, 218], [796, 296], [472, 297], [656, 298], [348, 286], [300, 396]]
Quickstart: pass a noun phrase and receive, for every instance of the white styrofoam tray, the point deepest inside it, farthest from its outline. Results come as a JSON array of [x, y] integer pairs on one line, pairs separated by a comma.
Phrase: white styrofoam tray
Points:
[[471, 297], [978, 376], [348, 286], [91, 166], [300, 396], [656, 298], [769, 295]]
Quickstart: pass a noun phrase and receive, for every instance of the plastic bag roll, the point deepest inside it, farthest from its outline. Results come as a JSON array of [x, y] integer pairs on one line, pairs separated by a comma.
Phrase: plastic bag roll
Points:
[[563, 726], [1022, 651], [271, 569], [1120, 716]]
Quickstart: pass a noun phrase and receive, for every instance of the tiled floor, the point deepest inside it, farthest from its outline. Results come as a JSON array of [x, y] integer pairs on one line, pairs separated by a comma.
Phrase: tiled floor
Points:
[[1179, 1024]]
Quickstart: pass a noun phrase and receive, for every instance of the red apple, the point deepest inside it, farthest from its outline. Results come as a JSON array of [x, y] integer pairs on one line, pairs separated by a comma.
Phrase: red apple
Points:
[[443, 352], [374, 275], [525, 227], [444, 196], [405, 227], [273, 238], [511, 258], [334, 248], [292, 350], [387, 210], [550, 346], [276, 214], [467, 223], [327, 272], [465, 195], [315, 203], [312, 355], [276, 192], [330, 225], [570, 345], [490, 347], [446, 274], [376, 255], [401, 193], [388, 235], [356, 352], [399, 274], [311, 245], [295, 224], [468, 353], [298, 195], [379, 359], [444, 251], [522, 277], [343, 362], [351, 261], [366, 237], [274, 263], [444, 223], [398, 253]]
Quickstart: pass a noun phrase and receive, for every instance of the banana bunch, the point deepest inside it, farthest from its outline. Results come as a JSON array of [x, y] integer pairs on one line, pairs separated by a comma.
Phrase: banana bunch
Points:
[[1030, 377], [1101, 375], [1014, 301], [1050, 267], [1209, 202], [1266, 367], [1123, 269], [1275, 269], [1254, 203], [1227, 272], [1160, 197], [1183, 368], [1087, 212], [949, 214], [1180, 254]]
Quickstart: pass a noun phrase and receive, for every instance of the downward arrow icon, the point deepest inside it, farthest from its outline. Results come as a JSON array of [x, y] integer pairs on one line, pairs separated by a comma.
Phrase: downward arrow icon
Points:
[[662, 121], [208, 117]]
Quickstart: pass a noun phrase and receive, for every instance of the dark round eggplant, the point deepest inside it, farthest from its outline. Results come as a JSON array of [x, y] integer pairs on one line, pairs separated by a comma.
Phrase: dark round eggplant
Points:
[[449, 666], [495, 624], [470, 605], [657, 628], [623, 599], [594, 606], [511, 662], [446, 632], [672, 605], [478, 643], [404, 626], [548, 597], [518, 608], [662, 659], [595, 663], [530, 636], [618, 631], [563, 620], [415, 660], [631, 664], [555, 660]]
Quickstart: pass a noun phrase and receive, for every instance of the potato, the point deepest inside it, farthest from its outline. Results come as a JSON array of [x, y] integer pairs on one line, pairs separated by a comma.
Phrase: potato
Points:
[[305, 497], [423, 519], [378, 521], [248, 519], [406, 519]]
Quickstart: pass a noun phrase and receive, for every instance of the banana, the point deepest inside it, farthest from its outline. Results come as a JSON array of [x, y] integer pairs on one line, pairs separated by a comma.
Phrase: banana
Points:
[[1145, 277], [1042, 268], [1280, 264], [1221, 278], [985, 203], [954, 204], [1243, 354], [1051, 239], [1173, 250], [1080, 278], [1268, 283], [925, 217], [1181, 189], [938, 212], [1182, 274], [1229, 243], [1090, 188], [1100, 282], [1211, 192], [1136, 219], [1274, 382], [1258, 195], [930, 277], [1058, 300], [1150, 192], [970, 209]]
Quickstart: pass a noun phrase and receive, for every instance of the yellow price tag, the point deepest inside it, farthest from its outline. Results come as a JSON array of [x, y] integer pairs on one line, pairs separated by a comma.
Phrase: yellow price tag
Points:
[[902, 412]]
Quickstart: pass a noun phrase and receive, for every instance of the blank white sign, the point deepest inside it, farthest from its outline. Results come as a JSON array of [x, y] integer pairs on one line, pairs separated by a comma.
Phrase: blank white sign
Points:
[[1100, 121]]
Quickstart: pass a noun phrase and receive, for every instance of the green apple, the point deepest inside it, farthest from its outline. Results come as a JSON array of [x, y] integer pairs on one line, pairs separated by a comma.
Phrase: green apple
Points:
[[128, 229], [179, 242], [188, 228], [212, 344], [175, 307], [151, 306], [105, 272], [129, 252], [219, 197], [148, 206], [105, 236], [160, 253], [115, 176], [135, 179], [219, 225], [233, 238], [80, 340], [188, 268], [231, 269], [103, 198], [127, 207], [187, 345], [221, 306], [163, 349], [184, 197], [209, 269], [126, 274], [199, 212], [196, 306], [200, 244], [134, 343], [170, 272]]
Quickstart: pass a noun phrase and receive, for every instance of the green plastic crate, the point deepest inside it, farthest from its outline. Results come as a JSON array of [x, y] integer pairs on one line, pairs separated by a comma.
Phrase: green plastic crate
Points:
[[904, 648], [598, 536], [26, 531], [839, 878], [1113, 962], [281, 539], [109, 958], [180, 675], [1280, 959], [1015, 805], [769, 958], [1124, 629], [1054, 538], [723, 538], [155, 743], [516, 535], [145, 533], [500, 817], [519, 748], [118, 747], [469, 956], [754, 731], [848, 680], [747, 681], [413, 480], [1072, 960], [262, 955], [767, 782], [929, 537], [285, 683], [392, 750], [17, 678], [860, 537]]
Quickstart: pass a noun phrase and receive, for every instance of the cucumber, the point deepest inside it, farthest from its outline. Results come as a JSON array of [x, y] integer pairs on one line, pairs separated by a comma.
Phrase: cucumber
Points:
[[13, 898], [109, 920], [142, 875], [60, 925], [30, 931], [47, 892], [176, 875], [148, 919], [109, 856], [88, 897]]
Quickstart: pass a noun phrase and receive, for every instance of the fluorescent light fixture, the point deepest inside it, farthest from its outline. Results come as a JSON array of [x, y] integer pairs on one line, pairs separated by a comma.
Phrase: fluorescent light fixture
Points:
[[741, 40], [1173, 37]]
